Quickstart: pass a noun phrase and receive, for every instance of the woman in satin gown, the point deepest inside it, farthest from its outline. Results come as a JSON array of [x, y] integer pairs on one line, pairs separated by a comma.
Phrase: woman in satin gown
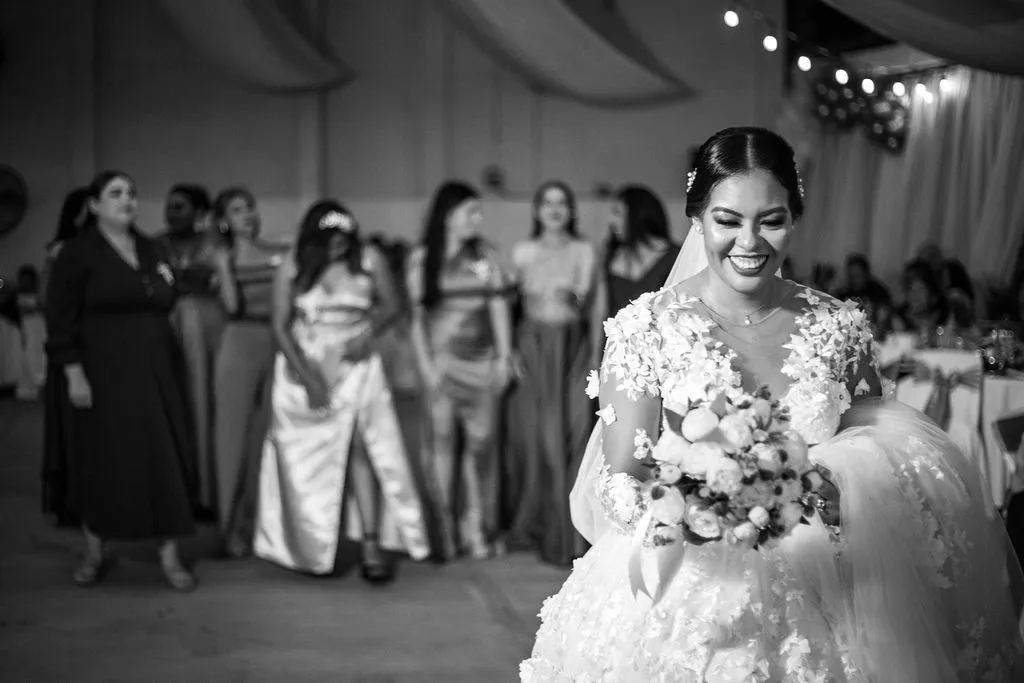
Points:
[[462, 337], [903, 577], [334, 429]]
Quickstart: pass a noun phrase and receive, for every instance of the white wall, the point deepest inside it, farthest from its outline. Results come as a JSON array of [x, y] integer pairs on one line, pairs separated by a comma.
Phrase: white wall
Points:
[[91, 84]]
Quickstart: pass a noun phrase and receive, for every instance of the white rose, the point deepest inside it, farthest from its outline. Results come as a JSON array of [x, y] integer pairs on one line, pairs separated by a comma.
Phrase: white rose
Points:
[[793, 445], [759, 517], [814, 480], [669, 474], [593, 384], [787, 490], [669, 507], [703, 522], [758, 493], [762, 410], [698, 424], [745, 532], [700, 456], [725, 476], [736, 431], [790, 515], [768, 458], [671, 448]]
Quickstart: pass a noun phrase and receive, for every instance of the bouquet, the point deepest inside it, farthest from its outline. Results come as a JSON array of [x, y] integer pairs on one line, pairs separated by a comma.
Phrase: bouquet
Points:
[[729, 469]]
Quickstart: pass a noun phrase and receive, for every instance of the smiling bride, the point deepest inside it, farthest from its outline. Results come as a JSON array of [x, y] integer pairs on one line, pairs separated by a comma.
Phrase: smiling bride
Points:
[[758, 510]]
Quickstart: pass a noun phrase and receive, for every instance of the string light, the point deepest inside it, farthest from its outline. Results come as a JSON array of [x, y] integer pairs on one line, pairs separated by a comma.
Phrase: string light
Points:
[[772, 38]]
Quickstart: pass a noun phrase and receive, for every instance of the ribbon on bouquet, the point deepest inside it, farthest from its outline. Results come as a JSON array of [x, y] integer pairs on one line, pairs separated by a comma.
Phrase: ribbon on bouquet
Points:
[[938, 406], [670, 559]]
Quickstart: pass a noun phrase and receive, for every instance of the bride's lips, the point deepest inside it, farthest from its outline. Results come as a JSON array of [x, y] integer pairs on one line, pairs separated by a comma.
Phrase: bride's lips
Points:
[[748, 265]]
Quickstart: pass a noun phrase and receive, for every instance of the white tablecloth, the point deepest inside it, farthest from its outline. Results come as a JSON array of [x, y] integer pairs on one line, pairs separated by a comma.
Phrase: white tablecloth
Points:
[[1000, 396]]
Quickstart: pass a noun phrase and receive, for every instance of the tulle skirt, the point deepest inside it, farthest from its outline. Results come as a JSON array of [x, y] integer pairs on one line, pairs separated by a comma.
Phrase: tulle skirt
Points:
[[917, 589]]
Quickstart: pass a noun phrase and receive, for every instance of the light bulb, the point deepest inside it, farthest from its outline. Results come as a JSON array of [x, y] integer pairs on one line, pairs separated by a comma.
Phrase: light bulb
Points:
[[928, 96], [803, 63], [868, 85], [920, 89], [945, 85], [842, 78], [770, 43], [898, 89], [732, 20]]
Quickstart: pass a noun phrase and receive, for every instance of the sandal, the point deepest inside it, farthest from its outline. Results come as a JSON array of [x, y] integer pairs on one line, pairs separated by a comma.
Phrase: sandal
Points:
[[90, 572], [180, 579]]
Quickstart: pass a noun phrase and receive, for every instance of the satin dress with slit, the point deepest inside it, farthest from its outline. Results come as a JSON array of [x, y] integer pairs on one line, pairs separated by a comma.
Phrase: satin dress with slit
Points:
[[302, 491]]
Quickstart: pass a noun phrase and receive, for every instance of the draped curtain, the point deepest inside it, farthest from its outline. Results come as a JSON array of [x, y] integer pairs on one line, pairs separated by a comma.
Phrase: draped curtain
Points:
[[985, 34], [258, 43], [581, 49], [957, 183]]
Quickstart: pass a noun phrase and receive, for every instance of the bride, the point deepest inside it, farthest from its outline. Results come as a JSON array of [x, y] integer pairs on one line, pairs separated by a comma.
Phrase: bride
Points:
[[902, 577]]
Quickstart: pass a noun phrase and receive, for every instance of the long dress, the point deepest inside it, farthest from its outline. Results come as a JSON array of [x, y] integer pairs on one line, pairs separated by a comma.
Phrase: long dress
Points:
[[60, 439], [134, 444], [548, 415], [463, 483], [199, 319], [913, 589], [243, 375], [302, 490]]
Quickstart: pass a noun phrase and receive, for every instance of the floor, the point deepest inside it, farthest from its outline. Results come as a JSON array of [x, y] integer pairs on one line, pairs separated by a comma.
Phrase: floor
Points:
[[248, 621]]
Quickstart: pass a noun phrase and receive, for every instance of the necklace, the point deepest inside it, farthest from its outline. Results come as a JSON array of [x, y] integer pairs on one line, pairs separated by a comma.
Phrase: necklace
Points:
[[747, 318]]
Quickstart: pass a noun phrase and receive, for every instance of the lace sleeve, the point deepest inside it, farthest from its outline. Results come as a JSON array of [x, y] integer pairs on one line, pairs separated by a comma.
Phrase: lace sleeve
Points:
[[628, 390], [632, 351], [862, 375]]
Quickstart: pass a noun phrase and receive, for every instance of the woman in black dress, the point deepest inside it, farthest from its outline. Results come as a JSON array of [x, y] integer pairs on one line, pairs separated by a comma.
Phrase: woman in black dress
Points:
[[108, 301], [58, 423], [638, 256]]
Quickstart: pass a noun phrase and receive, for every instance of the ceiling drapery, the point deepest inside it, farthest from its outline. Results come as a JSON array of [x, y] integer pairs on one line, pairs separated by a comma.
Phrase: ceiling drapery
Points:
[[576, 52], [256, 42], [985, 34]]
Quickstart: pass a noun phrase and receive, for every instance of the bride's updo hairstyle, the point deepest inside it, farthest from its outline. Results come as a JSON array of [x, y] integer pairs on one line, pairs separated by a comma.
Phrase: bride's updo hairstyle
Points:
[[735, 151]]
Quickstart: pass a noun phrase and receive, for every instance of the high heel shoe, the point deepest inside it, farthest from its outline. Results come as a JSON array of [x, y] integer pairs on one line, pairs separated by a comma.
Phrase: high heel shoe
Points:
[[375, 569]]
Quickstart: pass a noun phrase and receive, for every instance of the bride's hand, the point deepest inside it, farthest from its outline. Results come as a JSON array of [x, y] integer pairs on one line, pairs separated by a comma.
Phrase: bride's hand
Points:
[[828, 503]]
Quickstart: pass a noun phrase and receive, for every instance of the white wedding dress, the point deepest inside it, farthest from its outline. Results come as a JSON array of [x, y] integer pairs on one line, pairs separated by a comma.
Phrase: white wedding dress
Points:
[[915, 589]]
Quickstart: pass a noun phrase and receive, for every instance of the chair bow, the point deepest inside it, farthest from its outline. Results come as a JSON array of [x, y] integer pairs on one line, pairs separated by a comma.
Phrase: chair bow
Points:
[[938, 406]]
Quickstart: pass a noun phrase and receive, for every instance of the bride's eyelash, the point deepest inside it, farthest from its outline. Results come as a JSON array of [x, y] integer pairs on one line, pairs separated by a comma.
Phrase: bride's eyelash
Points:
[[775, 223]]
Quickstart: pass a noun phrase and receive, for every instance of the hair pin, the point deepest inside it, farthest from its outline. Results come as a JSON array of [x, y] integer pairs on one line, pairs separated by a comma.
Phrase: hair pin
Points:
[[335, 220], [690, 177]]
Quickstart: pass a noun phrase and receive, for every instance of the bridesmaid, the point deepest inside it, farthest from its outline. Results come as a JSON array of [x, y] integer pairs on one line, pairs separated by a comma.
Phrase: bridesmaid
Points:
[[108, 304], [199, 257], [59, 436], [550, 415], [335, 430], [638, 257], [244, 368], [463, 342]]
